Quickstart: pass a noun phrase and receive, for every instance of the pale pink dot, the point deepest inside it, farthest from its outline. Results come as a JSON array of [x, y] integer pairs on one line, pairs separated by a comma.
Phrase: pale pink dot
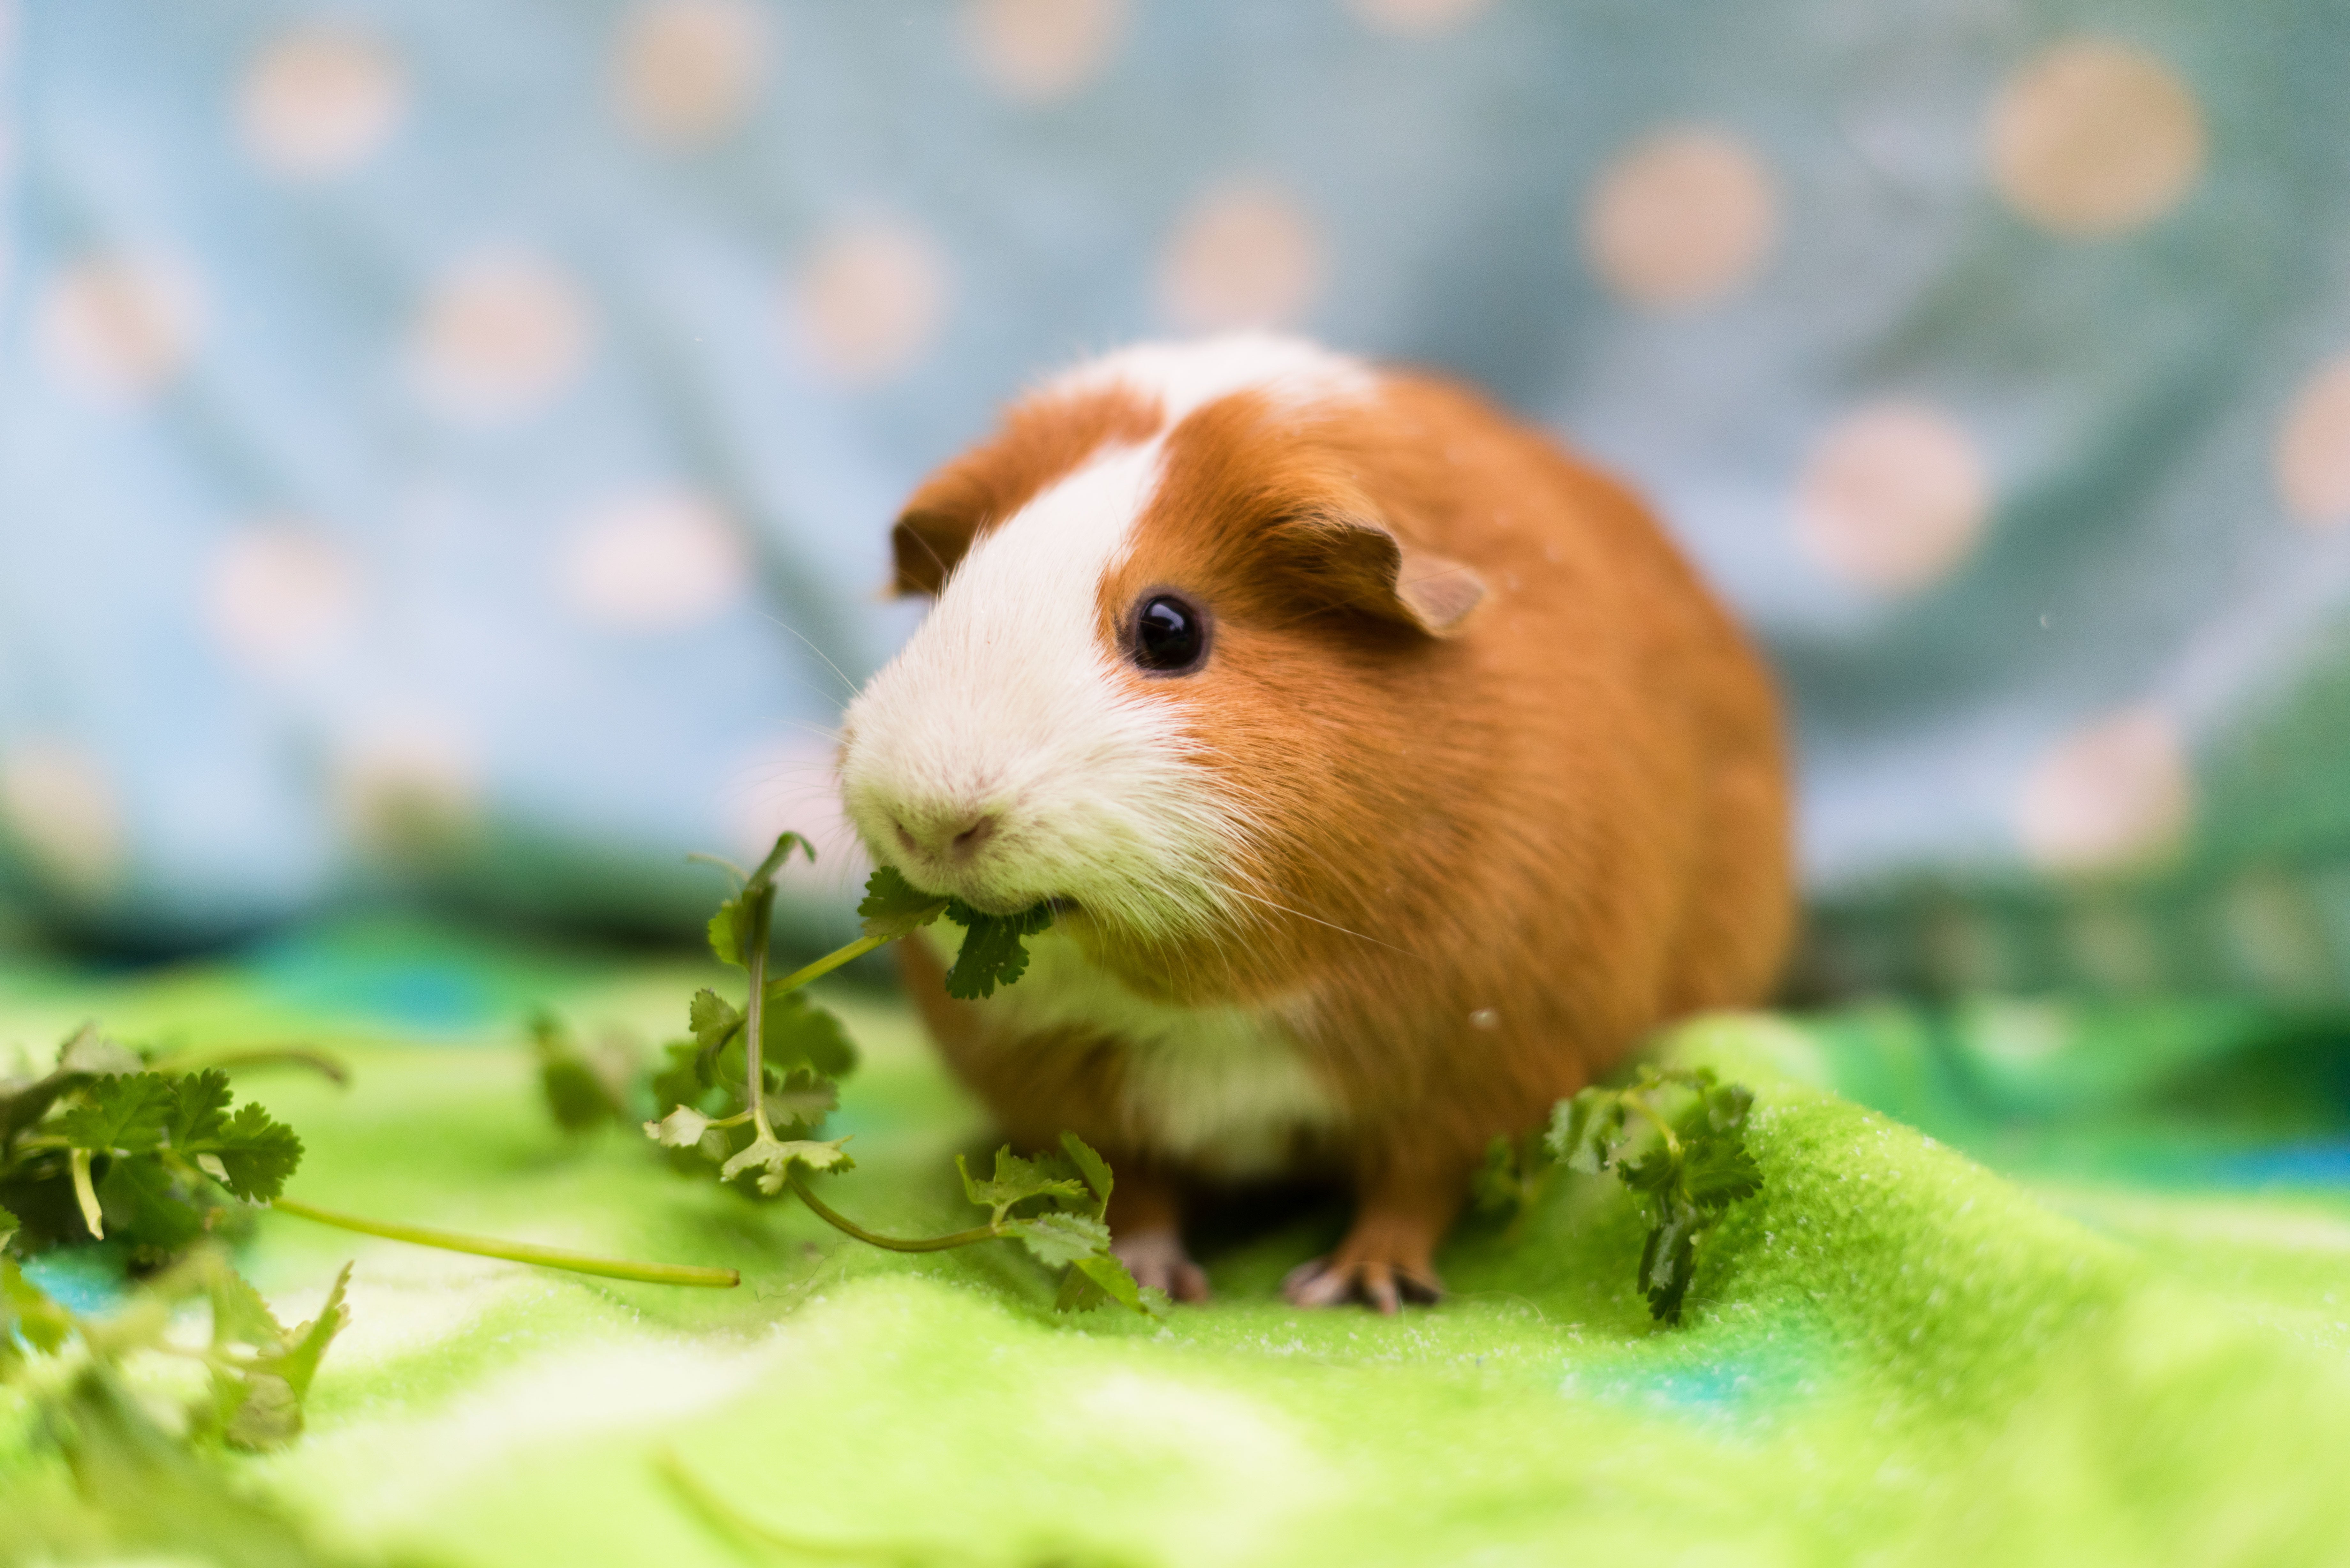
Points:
[[500, 334], [120, 328], [59, 803], [1893, 498], [688, 71], [1414, 18], [1681, 219], [1035, 51], [2094, 138], [655, 562], [2115, 794], [869, 301], [319, 101], [2312, 459], [409, 786], [1247, 254], [280, 594]]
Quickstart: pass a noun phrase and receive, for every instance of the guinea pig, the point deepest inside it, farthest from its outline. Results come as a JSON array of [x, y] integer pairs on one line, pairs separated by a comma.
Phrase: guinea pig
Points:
[[1388, 769]]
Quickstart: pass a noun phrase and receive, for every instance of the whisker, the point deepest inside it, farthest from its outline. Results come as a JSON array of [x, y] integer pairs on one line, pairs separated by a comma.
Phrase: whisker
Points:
[[1331, 924], [847, 684]]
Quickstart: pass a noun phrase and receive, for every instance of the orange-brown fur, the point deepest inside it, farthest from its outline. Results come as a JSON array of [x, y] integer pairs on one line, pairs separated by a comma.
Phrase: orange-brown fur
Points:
[[1568, 819]]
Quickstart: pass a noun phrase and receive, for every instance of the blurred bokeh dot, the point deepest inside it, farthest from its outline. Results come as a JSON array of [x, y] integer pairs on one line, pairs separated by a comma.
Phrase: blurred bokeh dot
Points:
[[657, 562], [1681, 219], [1893, 497], [118, 327], [500, 335], [408, 787], [868, 302], [1036, 51], [60, 807], [279, 594], [2093, 138], [2113, 794], [1414, 18], [2313, 450], [319, 101], [1245, 254], [688, 71]]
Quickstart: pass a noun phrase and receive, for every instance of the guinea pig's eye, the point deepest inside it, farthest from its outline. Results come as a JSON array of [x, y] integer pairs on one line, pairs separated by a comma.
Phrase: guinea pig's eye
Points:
[[1171, 635]]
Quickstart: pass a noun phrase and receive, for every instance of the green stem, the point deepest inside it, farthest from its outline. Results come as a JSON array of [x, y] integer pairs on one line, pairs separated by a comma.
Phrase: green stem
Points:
[[318, 1062], [515, 1251], [841, 1222], [1633, 1101], [826, 964], [86, 1194], [761, 909], [710, 1505]]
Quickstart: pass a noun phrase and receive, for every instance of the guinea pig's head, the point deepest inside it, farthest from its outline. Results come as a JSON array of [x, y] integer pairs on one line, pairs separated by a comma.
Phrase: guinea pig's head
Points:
[[1171, 606]]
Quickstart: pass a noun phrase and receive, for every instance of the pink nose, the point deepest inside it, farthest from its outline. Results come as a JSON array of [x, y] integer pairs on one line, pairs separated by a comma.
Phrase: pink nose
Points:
[[954, 836]]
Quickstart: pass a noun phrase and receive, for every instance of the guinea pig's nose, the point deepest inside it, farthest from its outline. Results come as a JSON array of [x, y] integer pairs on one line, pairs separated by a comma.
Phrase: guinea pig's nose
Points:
[[954, 836]]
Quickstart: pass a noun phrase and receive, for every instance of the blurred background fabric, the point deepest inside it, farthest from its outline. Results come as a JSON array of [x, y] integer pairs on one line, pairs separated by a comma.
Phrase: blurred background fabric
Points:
[[447, 449]]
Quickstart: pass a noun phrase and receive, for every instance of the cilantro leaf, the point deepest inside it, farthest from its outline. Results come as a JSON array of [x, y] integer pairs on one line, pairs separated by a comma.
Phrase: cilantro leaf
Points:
[[713, 1019], [1668, 1261], [199, 1108], [681, 1128], [726, 931], [1676, 1138], [800, 1100], [1100, 1278], [772, 1158], [584, 1088], [255, 1153], [1060, 1238], [145, 1207], [89, 1053], [1016, 1181], [893, 906], [796, 1031], [124, 1111], [994, 949], [306, 1345], [1093, 1169], [1717, 1172], [10, 1226]]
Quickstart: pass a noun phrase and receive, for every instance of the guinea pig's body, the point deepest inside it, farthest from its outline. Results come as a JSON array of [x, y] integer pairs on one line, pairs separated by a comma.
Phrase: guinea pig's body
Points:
[[1392, 773]]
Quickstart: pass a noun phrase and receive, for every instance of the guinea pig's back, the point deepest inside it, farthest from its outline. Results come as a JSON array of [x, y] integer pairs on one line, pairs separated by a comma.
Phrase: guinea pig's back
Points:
[[1647, 764]]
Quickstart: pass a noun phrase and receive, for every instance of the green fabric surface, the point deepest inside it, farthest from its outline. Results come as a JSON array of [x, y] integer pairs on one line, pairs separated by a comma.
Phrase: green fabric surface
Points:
[[2131, 1346]]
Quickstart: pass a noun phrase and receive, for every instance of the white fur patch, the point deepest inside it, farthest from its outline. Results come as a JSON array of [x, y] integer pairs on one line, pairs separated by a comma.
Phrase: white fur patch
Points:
[[1189, 376], [1006, 700], [1224, 1089]]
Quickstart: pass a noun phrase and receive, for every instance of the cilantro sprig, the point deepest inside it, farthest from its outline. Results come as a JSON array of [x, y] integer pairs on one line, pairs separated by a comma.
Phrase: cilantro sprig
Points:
[[140, 1472], [748, 1088], [1677, 1137], [108, 1144]]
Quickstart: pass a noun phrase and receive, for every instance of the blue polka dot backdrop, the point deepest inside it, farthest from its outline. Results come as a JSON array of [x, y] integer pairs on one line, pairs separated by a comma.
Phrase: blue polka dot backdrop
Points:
[[450, 447]]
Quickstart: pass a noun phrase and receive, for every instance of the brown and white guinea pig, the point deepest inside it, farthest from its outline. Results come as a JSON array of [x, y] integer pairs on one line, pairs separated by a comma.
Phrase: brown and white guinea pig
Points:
[[1390, 772]]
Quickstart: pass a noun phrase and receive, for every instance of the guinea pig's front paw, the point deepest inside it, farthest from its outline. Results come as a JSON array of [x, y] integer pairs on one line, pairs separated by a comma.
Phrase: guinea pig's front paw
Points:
[[1155, 1257], [1379, 1282]]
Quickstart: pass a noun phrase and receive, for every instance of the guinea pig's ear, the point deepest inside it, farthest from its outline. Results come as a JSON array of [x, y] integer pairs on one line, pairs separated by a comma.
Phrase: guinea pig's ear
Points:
[[925, 545], [1362, 564]]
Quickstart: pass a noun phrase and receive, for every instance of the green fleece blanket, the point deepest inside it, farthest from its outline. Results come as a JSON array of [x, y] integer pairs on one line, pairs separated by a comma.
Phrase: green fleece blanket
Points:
[[2115, 1328]]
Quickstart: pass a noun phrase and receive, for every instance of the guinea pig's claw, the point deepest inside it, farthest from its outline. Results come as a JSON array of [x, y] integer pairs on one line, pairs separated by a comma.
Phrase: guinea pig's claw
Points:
[[1156, 1260], [1383, 1286]]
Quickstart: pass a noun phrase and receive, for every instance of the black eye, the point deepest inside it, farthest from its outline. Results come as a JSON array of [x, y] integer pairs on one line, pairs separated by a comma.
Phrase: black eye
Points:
[[1170, 635]]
